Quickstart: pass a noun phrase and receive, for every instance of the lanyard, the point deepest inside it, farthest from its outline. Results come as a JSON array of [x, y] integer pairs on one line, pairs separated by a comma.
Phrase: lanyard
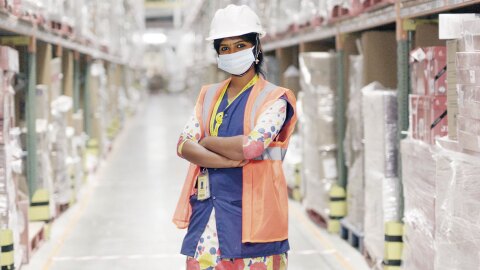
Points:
[[217, 118]]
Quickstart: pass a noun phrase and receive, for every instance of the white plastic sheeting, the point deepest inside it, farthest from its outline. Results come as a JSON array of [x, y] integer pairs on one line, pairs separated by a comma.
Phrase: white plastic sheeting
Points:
[[317, 125], [382, 186], [353, 145], [418, 169]]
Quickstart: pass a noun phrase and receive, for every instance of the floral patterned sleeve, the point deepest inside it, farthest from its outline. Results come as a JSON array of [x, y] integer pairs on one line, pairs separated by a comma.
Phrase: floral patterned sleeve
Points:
[[267, 128], [190, 132]]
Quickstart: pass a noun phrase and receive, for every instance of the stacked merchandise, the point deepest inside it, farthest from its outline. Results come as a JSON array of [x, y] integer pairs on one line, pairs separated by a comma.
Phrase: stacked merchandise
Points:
[[292, 167], [60, 106], [89, 21], [13, 222], [319, 171], [468, 88], [98, 138], [44, 144], [382, 186], [272, 69], [77, 146], [354, 153], [428, 103], [457, 233], [338, 8], [418, 167], [291, 79]]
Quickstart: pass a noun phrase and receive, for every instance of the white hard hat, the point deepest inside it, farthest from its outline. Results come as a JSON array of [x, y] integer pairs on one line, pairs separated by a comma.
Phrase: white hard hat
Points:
[[235, 21]]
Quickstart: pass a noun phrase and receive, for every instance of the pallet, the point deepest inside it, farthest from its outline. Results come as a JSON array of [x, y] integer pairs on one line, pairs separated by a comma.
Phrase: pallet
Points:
[[371, 5], [61, 208], [317, 218], [294, 193], [33, 18], [317, 21], [352, 235], [372, 262], [339, 13], [60, 28], [36, 236]]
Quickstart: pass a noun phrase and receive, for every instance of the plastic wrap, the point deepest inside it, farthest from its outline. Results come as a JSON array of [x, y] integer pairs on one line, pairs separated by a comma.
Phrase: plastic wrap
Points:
[[292, 161], [418, 167], [308, 11], [471, 35], [332, 4], [427, 117], [428, 73], [291, 12], [353, 145], [291, 79], [317, 126], [469, 100], [468, 119], [44, 144], [272, 69], [382, 187], [457, 234], [11, 154]]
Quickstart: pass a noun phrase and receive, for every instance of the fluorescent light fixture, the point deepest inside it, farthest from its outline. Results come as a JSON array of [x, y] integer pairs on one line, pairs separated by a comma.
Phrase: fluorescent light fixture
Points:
[[154, 38]]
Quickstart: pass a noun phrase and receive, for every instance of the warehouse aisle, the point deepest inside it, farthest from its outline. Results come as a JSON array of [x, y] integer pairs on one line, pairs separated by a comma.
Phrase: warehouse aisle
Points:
[[122, 220]]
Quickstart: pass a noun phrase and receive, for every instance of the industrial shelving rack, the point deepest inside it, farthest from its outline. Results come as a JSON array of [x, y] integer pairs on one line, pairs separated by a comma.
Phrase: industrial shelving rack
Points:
[[32, 41]]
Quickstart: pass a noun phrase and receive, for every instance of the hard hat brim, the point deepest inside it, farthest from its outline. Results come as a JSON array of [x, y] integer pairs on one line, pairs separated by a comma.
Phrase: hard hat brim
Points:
[[234, 34]]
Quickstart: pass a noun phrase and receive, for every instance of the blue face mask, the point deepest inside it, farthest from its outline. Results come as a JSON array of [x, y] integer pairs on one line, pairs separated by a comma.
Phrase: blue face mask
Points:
[[236, 63]]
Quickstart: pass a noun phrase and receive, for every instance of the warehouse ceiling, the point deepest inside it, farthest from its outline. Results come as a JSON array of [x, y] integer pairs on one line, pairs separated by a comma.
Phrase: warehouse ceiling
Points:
[[161, 13]]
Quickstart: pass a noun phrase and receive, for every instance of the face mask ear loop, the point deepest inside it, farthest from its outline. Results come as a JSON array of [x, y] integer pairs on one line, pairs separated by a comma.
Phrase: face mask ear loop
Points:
[[257, 49]]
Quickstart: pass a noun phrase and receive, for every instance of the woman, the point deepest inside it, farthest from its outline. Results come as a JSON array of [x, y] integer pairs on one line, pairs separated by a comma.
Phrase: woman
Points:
[[234, 200]]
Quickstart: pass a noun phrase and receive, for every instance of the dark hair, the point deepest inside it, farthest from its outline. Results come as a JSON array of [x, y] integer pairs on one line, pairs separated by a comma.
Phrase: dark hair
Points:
[[254, 39]]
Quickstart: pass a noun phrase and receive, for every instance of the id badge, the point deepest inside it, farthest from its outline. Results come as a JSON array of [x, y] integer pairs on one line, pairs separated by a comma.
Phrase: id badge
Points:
[[203, 185]]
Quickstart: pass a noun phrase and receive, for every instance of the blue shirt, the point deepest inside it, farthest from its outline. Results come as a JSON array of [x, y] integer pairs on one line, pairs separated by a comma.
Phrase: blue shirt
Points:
[[226, 198]]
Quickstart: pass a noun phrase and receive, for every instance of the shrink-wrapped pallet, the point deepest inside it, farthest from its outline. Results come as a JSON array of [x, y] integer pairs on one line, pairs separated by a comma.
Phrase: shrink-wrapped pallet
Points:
[[468, 119], [382, 187], [317, 125], [457, 232], [12, 190], [418, 168], [353, 146]]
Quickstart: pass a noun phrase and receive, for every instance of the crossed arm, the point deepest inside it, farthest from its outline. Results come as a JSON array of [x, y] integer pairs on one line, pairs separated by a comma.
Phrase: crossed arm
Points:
[[235, 151]]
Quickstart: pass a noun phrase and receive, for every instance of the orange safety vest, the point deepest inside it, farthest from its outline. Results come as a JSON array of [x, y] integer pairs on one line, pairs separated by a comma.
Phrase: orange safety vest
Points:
[[264, 198]]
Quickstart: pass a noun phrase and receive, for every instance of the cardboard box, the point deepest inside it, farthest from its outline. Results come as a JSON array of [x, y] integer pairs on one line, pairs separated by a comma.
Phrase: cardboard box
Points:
[[428, 73], [426, 35], [380, 54], [452, 103], [469, 100], [471, 35], [428, 117], [469, 133]]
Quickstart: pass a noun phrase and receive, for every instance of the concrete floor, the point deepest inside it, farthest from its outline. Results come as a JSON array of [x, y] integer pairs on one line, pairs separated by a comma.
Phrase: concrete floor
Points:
[[123, 219]]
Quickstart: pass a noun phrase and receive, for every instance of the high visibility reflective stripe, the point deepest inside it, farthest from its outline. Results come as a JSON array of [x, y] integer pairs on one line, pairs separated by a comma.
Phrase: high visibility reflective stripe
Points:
[[207, 103], [259, 101], [273, 153]]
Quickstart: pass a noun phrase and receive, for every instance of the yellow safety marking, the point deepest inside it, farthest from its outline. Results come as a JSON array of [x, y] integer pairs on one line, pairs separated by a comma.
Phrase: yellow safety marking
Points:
[[326, 244], [40, 212], [6, 239], [70, 227], [74, 219], [15, 41]]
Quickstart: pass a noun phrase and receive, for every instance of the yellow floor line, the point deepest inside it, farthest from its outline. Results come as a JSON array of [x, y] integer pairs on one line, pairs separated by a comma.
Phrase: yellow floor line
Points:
[[70, 226], [324, 242]]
